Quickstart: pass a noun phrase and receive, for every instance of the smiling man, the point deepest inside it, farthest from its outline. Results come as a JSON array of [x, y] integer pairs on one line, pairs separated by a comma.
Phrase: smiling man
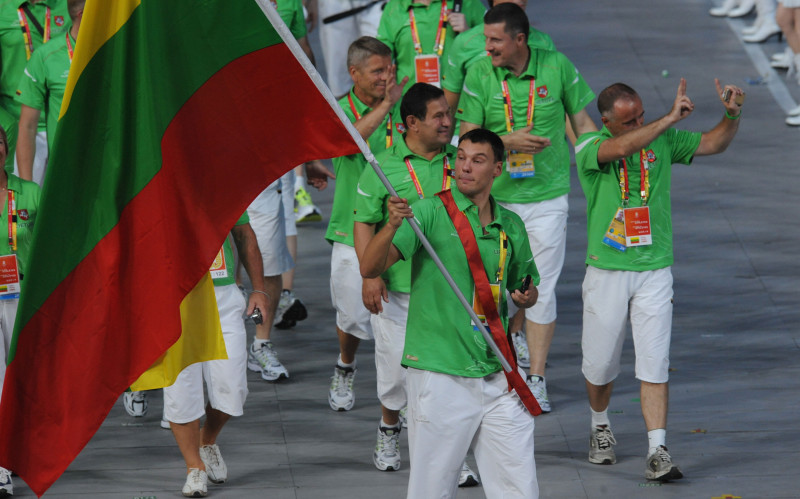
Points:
[[522, 94], [418, 165], [458, 396]]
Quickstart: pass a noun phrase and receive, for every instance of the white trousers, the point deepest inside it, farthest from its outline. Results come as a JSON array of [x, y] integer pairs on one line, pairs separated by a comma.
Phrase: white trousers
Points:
[[389, 329], [448, 414], [8, 314]]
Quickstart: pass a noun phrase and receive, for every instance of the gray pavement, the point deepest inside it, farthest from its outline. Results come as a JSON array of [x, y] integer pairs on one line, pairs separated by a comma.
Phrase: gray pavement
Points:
[[734, 386]]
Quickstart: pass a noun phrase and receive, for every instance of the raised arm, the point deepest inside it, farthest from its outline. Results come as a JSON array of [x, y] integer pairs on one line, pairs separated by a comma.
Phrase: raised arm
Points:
[[380, 253], [718, 138]]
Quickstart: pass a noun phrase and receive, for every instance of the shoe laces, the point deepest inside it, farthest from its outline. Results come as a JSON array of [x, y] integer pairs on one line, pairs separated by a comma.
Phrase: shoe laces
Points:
[[389, 441], [605, 439], [194, 476], [303, 197], [662, 455], [266, 355], [342, 381], [520, 345], [212, 454]]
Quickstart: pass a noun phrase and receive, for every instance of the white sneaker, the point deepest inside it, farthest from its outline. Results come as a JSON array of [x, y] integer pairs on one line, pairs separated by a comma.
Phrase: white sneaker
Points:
[[795, 111], [660, 466], [6, 485], [196, 483], [744, 8], [216, 469], [290, 310], [165, 424], [341, 396], [793, 120], [601, 445], [265, 360], [467, 477], [135, 403], [538, 387], [724, 9], [521, 347], [387, 450], [403, 417]]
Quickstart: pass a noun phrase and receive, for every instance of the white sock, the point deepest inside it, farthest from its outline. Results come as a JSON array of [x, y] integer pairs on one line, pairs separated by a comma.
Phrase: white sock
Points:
[[342, 364], [600, 418], [656, 438], [299, 182], [257, 343], [392, 426]]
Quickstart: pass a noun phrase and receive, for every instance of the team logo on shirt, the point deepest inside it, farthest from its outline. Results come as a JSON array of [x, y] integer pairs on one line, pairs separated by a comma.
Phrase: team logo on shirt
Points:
[[541, 91], [23, 214], [400, 128], [59, 20], [651, 156]]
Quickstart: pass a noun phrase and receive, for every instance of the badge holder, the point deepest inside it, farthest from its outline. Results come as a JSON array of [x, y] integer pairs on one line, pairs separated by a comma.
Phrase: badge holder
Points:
[[219, 269], [637, 227], [615, 234], [427, 69], [9, 277], [520, 165], [476, 304]]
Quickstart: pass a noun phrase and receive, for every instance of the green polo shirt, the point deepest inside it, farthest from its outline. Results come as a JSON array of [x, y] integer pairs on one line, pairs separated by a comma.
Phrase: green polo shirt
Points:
[[12, 45], [230, 265], [348, 170], [600, 184], [291, 11], [559, 89], [44, 80], [394, 30], [440, 335], [372, 195], [11, 126], [470, 47], [26, 198]]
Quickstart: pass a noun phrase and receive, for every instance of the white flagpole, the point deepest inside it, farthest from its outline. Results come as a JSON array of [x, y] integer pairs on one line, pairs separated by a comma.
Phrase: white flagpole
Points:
[[289, 40]]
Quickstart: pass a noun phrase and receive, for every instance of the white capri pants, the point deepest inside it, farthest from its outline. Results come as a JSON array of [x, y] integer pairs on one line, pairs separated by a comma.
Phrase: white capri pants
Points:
[[546, 224], [226, 379], [449, 414], [39, 160], [287, 196], [8, 314], [352, 316], [267, 221], [337, 36], [609, 296], [389, 328]]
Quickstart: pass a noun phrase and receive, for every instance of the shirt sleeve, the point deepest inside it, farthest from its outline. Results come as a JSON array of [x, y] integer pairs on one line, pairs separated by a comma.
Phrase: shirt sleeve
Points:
[[474, 12], [405, 240], [453, 77], [684, 144], [471, 106], [385, 28], [521, 263], [577, 93], [244, 219], [586, 148], [31, 89], [370, 198]]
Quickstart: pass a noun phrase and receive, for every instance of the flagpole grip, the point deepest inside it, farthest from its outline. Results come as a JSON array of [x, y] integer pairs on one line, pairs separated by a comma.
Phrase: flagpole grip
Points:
[[447, 277]]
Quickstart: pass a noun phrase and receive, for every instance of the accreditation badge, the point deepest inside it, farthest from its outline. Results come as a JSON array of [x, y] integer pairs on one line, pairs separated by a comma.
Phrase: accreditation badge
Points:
[[520, 165], [219, 269], [615, 234], [427, 69], [478, 308], [637, 227], [9, 277]]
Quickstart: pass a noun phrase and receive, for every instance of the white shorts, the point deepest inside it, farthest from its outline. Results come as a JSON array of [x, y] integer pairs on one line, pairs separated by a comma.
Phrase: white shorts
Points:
[[546, 224], [39, 160], [606, 298], [352, 316], [287, 196], [449, 414], [337, 36], [8, 313], [389, 328], [790, 4], [266, 219], [226, 379]]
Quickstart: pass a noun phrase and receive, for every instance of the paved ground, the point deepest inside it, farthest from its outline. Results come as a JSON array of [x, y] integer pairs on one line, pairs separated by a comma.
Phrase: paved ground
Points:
[[735, 390]]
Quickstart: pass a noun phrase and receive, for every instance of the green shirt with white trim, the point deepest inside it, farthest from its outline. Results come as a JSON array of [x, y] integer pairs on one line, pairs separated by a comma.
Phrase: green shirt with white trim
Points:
[[558, 89], [601, 185], [348, 170], [372, 194], [26, 199], [440, 335]]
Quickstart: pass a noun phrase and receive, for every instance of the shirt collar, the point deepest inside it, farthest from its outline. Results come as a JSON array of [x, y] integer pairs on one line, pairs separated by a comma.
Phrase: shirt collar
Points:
[[14, 183], [404, 152], [20, 3], [464, 205], [360, 106], [530, 70]]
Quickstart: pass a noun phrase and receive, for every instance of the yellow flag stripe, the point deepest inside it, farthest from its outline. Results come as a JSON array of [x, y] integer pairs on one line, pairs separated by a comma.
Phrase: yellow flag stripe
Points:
[[103, 18], [200, 340]]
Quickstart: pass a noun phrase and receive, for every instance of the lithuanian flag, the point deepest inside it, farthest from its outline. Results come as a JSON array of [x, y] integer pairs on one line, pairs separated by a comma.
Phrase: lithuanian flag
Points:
[[177, 114]]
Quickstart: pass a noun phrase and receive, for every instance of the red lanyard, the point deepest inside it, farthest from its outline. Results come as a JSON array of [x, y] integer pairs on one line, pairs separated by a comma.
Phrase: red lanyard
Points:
[[415, 179], [357, 115], [69, 49], [486, 297], [507, 105], [441, 32], [26, 31], [644, 179], [12, 221]]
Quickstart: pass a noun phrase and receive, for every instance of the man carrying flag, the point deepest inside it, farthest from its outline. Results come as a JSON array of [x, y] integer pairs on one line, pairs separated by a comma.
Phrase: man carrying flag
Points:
[[160, 176], [466, 398]]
